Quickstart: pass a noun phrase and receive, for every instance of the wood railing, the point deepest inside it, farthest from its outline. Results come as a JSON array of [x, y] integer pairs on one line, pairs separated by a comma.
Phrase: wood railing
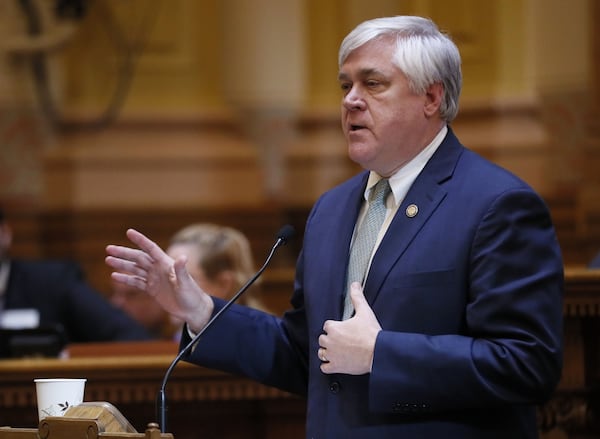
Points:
[[128, 375]]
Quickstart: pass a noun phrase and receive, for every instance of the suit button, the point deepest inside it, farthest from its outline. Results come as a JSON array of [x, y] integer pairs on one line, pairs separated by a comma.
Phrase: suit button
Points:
[[401, 407], [334, 387]]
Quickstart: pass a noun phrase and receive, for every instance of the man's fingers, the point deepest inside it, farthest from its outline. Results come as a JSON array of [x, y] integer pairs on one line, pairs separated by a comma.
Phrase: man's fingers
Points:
[[145, 244], [130, 280], [180, 269], [124, 265], [130, 254]]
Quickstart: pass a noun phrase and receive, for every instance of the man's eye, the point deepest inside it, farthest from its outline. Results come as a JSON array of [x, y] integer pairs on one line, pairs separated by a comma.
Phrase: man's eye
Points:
[[372, 83], [344, 86]]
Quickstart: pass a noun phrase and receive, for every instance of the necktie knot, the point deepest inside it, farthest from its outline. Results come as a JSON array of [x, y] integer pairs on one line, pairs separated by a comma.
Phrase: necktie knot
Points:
[[380, 192]]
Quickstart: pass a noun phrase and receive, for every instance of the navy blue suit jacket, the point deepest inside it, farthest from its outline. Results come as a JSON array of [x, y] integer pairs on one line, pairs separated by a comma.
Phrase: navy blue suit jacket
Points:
[[57, 289], [468, 293]]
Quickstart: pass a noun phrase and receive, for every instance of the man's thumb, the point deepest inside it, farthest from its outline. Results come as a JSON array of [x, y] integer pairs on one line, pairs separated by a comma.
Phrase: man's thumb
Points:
[[357, 296], [179, 267]]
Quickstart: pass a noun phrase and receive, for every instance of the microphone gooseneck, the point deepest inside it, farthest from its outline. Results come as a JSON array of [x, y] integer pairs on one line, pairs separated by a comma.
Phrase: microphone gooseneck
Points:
[[283, 236]]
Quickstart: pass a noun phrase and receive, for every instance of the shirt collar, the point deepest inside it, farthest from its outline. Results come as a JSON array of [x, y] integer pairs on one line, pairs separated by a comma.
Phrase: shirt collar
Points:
[[400, 181]]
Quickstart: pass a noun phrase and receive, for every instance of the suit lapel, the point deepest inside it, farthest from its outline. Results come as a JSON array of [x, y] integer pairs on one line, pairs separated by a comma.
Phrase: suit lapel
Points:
[[426, 194]]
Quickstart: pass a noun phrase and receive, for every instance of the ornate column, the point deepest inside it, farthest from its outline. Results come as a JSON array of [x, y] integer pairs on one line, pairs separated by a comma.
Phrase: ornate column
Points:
[[264, 69]]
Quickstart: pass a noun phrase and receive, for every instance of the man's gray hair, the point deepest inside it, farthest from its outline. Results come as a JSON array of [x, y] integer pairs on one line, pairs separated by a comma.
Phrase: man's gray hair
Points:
[[423, 53]]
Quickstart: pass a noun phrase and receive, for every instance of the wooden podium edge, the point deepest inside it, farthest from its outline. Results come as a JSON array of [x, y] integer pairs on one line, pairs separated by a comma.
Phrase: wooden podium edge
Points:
[[73, 428], [89, 420]]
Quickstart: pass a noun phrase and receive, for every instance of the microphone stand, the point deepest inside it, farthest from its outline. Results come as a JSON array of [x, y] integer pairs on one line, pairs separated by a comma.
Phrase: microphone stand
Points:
[[285, 233]]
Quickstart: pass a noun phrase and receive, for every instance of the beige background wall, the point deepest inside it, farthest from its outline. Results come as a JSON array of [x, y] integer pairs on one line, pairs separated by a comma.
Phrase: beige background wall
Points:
[[158, 113], [235, 102]]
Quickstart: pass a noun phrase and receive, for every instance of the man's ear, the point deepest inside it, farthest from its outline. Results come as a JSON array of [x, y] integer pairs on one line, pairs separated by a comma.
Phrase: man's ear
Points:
[[433, 99]]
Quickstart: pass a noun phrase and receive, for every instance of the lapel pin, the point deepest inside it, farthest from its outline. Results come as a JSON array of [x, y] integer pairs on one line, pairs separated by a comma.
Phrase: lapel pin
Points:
[[412, 210]]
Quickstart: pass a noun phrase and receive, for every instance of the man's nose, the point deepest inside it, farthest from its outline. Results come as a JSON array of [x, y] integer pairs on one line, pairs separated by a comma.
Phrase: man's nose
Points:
[[353, 100]]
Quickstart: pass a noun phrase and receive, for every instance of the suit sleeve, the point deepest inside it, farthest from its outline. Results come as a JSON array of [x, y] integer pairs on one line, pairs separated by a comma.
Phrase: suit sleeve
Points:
[[252, 343]]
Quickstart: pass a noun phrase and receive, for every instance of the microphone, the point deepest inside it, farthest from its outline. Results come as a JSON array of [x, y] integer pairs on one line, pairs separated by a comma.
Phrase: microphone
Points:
[[283, 236]]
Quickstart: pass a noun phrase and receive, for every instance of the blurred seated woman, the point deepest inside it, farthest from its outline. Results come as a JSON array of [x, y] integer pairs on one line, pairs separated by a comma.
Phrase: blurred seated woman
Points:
[[219, 259]]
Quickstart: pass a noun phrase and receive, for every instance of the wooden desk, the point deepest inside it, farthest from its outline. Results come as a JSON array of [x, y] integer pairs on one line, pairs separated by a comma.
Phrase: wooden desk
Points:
[[575, 408], [228, 407], [129, 376], [582, 292]]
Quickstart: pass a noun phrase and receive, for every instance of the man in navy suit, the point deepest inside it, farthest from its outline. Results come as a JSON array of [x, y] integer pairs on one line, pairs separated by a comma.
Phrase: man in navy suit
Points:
[[456, 330], [57, 290]]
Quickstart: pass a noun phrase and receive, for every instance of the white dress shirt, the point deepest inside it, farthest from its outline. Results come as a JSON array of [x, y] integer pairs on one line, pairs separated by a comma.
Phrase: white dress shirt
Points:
[[400, 182]]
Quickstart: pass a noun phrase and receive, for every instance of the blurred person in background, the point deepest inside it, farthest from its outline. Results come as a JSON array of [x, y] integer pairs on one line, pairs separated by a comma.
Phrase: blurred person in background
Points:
[[58, 294], [219, 259]]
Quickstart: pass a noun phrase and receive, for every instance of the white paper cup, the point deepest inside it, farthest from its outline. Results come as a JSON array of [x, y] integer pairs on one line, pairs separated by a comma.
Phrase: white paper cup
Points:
[[56, 395]]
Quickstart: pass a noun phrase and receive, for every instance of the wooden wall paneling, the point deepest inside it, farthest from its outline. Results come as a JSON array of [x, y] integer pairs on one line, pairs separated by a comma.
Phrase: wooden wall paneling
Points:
[[160, 165], [175, 70], [83, 235]]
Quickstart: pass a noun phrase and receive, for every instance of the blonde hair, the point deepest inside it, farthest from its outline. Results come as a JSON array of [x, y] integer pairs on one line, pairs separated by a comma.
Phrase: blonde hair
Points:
[[220, 248]]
